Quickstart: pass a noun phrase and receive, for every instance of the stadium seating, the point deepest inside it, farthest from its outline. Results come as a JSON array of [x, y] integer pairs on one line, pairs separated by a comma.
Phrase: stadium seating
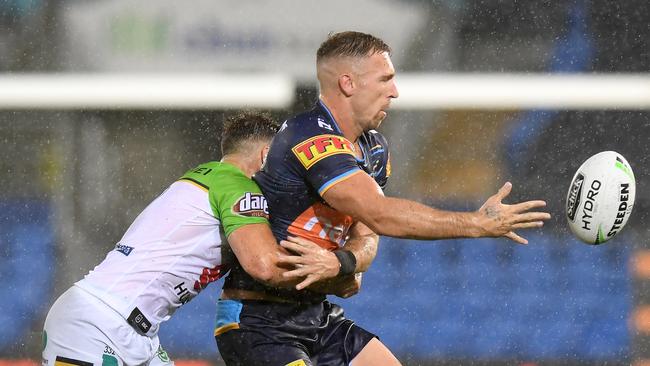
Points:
[[487, 299], [484, 299], [26, 268]]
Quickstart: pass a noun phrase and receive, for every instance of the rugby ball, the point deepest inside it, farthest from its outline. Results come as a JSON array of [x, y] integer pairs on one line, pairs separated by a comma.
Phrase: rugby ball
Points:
[[601, 197]]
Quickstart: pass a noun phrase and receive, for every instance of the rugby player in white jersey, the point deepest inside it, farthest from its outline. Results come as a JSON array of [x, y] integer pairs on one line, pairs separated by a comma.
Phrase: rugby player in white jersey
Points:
[[172, 251]]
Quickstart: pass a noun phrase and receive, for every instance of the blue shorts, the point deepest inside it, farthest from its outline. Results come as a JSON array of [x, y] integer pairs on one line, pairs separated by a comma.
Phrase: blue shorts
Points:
[[277, 334]]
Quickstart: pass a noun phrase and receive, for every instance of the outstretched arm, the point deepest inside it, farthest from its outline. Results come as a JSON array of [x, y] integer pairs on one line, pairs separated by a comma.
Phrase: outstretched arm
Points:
[[360, 197]]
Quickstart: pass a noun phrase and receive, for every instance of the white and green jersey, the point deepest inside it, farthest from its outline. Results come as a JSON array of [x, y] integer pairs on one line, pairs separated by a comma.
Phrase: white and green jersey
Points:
[[173, 248]]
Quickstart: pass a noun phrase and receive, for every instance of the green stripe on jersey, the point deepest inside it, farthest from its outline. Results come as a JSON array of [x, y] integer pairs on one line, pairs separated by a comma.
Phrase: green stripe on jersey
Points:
[[236, 200]]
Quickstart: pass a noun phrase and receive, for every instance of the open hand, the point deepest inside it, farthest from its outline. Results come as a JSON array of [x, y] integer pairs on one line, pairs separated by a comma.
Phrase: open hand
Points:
[[311, 261], [500, 219]]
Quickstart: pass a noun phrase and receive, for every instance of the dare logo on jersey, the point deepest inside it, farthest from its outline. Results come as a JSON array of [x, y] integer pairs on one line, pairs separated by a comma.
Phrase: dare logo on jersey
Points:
[[311, 151], [251, 205]]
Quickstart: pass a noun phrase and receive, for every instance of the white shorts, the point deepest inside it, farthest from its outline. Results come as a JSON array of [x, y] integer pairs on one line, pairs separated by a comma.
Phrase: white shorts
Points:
[[82, 330]]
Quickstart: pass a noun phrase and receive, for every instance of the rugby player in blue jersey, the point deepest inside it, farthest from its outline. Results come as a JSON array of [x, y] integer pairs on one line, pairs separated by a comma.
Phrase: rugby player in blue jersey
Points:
[[322, 181]]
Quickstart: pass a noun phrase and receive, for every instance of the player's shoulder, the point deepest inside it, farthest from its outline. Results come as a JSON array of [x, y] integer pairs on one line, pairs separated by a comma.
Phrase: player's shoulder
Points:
[[212, 169], [314, 122], [231, 176], [220, 176]]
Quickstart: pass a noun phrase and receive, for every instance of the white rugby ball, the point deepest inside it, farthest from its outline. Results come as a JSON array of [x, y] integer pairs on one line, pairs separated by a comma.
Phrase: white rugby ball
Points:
[[601, 197]]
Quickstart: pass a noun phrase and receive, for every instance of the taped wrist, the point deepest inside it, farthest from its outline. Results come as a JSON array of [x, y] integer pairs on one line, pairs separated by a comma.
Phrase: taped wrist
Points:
[[348, 261]]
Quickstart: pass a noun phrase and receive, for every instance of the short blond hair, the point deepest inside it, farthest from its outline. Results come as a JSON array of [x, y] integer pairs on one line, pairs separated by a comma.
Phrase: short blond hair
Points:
[[350, 44]]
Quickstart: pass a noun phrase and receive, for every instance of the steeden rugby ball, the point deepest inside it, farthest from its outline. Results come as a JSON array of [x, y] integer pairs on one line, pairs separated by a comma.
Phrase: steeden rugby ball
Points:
[[601, 197]]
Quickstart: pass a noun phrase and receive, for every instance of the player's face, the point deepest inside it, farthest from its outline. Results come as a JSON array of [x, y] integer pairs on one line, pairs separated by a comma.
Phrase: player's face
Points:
[[376, 81]]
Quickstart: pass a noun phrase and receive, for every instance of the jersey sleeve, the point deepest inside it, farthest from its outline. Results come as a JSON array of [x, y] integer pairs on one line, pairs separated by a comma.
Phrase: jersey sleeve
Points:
[[238, 201], [325, 160]]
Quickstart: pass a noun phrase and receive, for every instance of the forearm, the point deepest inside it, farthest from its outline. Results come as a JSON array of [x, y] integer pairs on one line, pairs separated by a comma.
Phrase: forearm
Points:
[[270, 271], [361, 198], [408, 219], [259, 255], [363, 243]]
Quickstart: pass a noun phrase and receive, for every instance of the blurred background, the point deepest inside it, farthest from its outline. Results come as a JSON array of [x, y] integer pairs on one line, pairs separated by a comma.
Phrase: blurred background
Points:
[[104, 103]]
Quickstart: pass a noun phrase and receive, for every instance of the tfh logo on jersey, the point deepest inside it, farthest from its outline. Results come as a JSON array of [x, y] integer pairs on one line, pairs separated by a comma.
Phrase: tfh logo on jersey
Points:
[[311, 151], [251, 205]]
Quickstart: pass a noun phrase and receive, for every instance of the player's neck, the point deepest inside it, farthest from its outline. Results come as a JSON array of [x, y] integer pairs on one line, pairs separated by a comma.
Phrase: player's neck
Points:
[[246, 165], [343, 117]]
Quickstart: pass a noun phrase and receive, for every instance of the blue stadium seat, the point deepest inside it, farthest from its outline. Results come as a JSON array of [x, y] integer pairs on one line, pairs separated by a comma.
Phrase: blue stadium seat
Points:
[[486, 299], [26, 267]]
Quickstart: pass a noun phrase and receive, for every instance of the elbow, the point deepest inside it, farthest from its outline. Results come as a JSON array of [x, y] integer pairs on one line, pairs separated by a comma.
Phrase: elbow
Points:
[[353, 290], [375, 225], [263, 275], [264, 271]]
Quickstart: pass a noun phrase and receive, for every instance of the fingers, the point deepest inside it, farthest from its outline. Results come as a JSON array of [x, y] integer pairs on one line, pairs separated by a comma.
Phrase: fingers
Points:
[[290, 259], [504, 191], [528, 225], [528, 205], [306, 282], [299, 245], [293, 273], [295, 247], [302, 242], [531, 216], [514, 237]]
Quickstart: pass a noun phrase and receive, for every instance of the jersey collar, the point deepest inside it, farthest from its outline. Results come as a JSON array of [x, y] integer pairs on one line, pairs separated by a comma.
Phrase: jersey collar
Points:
[[322, 106]]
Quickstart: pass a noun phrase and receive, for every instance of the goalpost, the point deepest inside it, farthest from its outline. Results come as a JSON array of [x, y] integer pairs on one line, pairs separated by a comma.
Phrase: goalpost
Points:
[[145, 91], [523, 91], [418, 91]]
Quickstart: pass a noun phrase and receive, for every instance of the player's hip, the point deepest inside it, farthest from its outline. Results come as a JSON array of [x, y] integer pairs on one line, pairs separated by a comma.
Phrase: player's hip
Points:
[[81, 328], [247, 331]]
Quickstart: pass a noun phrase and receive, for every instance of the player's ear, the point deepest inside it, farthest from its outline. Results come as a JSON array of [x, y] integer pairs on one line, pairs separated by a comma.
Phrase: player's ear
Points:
[[346, 84], [263, 153]]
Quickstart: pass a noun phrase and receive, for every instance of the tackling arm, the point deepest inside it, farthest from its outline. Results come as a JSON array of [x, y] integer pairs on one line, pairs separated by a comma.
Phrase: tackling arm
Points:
[[259, 255], [258, 252], [360, 197]]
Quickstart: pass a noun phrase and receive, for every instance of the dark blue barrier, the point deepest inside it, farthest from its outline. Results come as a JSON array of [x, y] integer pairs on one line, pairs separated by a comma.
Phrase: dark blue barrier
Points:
[[26, 267], [489, 299], [482, 299]]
